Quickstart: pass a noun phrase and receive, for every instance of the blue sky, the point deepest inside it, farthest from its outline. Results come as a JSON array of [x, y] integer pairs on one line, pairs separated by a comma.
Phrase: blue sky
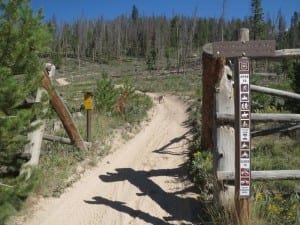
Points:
[[68, 10]]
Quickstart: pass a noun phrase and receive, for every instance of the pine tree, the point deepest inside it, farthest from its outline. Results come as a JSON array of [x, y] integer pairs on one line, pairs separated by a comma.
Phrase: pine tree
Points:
[[23, 37], [134, 13], [257, 20]]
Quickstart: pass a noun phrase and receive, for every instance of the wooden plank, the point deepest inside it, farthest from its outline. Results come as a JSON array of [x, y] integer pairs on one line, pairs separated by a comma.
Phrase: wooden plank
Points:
[[62, 140], [276, 92], [264, 117], [275, 130], [263, 175], [283, 53], [231, 49]]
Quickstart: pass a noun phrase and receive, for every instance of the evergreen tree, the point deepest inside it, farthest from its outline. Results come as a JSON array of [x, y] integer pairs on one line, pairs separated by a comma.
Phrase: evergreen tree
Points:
[[257, 20], [294, 31], [23, 37], [134, 13]]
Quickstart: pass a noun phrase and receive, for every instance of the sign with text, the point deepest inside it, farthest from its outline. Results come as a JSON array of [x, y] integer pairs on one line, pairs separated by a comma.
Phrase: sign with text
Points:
[[244, 126]]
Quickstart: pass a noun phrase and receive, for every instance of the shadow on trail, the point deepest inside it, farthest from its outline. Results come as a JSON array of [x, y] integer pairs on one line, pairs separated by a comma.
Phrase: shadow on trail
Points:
[[179, 208], [121, 207], [164, 149]]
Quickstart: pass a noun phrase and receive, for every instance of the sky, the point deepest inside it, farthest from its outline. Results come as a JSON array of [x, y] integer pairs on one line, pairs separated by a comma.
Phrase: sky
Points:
[[69, 10]]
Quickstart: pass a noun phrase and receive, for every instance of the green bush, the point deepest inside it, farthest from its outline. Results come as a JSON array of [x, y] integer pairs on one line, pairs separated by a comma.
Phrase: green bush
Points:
[[106, 95], [274, 207], [12, 198], [200, 170]]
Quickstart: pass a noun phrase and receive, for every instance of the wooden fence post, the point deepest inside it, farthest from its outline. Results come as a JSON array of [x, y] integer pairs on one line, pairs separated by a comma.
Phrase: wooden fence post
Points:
[[217, 98], [212, 74], [224, 136]]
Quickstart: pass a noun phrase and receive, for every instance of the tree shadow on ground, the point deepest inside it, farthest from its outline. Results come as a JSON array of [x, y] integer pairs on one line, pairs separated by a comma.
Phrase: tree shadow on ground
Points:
[[179, 208], [165, 149]]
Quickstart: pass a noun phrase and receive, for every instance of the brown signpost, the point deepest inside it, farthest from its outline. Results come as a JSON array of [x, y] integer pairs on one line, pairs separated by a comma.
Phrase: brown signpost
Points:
[[242, 140], [88, 105], [241, 51]]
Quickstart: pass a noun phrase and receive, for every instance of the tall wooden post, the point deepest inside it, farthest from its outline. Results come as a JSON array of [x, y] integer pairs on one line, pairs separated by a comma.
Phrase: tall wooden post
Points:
[[242, 135], [242, 140], [212, 73], [224, 136]]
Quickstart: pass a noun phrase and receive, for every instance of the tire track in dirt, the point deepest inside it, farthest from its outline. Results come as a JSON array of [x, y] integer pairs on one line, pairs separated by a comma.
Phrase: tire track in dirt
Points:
[[142, 182]]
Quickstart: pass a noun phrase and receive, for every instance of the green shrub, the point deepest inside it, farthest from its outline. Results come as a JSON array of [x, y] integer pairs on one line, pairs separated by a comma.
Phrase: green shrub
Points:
[[274, 207], [106, 95], [200, 169], [12, 198]]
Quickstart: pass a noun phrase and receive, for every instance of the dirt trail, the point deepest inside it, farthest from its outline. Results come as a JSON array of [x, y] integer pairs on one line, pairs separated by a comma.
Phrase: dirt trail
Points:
[[142, 182]]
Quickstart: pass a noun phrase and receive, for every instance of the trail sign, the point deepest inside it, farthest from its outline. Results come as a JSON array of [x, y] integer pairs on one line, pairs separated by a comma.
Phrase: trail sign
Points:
[[88, 106], [88, 101], [232, 49], [243, 125], [241, 52]]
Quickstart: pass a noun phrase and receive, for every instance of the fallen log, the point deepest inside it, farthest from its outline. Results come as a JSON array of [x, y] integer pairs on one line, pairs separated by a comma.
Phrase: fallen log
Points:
[[63, 140]]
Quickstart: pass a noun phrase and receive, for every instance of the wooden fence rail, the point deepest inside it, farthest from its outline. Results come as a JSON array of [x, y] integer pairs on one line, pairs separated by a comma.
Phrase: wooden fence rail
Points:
[[263, 175], [275, 92], [263, 117], [286, 128]]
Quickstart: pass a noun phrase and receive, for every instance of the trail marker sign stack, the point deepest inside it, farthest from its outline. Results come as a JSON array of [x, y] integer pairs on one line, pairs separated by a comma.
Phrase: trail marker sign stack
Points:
[[243, 125], [241, 51]]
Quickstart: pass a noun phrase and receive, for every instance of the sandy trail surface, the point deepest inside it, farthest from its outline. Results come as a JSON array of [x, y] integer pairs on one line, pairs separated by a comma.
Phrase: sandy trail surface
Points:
[[141, 182]]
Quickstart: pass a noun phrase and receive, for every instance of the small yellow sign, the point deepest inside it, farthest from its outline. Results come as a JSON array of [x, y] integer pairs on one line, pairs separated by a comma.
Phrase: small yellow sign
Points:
[[88, 101]]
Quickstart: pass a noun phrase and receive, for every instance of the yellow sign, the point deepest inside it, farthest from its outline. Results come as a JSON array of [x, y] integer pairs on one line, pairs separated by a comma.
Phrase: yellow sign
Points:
[[88, 101]]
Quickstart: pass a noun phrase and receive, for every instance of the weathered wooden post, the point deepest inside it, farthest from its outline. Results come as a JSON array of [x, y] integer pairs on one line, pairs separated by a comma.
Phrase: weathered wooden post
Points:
[[212, 73], [217, 136], [64, 114], [224, 136]]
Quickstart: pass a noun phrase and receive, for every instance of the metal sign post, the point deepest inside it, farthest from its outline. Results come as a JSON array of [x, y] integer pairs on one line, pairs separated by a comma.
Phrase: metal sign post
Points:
[[88, 106]]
